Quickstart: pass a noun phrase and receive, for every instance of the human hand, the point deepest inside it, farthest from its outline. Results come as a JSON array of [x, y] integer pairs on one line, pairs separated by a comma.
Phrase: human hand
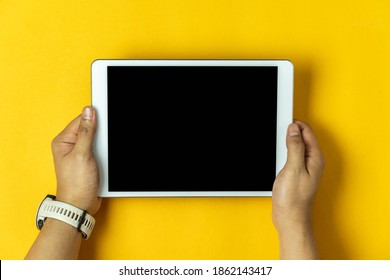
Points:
[[296, 184], [75, 163]]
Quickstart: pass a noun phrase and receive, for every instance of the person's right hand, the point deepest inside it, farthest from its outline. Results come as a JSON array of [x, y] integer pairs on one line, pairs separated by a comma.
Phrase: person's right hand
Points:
[[296, 184]]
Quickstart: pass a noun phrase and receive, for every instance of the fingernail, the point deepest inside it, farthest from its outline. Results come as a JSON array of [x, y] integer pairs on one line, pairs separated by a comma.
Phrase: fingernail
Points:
[[293, 130], [87, 113]]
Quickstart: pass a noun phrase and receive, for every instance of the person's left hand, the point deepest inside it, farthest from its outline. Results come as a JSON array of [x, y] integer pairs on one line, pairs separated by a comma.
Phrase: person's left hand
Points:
[[75, 163]]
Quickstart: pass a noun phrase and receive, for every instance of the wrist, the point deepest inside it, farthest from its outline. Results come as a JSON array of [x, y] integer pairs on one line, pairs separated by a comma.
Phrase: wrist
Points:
[[76, 201], [85, 199], [293, 223], [296, 241], [80, 219]]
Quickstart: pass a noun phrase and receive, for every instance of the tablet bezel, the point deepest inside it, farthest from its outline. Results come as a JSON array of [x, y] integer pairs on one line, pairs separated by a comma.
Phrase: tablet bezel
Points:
[[99, 102]]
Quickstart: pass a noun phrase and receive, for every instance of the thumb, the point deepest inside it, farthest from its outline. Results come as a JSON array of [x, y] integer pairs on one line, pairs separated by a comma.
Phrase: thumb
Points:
[[295, 146], [86, 131]]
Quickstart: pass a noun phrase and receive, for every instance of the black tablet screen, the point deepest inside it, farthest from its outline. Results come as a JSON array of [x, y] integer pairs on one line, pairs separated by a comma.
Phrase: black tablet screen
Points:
[[191, 128]]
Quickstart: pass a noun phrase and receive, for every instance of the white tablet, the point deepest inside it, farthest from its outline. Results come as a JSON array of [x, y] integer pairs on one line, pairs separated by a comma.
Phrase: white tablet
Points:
[[191, 128]]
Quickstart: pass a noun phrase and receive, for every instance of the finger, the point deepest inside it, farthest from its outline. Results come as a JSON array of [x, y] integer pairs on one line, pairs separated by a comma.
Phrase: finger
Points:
[[313, 154], [67, 136], [295, 146], [86, 131]]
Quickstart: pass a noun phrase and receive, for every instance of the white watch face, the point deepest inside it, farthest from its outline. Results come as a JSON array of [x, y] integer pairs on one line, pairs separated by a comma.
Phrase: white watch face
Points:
[[67, 213], [40, 220]]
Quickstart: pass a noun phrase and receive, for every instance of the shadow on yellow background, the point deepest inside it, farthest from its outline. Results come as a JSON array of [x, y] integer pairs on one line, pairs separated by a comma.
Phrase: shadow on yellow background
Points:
[[342, 88]]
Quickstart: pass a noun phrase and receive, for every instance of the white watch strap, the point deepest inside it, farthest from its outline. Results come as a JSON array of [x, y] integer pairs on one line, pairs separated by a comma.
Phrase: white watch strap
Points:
[[69, 214]]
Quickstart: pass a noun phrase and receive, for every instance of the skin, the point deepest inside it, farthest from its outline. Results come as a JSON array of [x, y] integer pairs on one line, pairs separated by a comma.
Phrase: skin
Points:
[[294, 189], [78, 182]]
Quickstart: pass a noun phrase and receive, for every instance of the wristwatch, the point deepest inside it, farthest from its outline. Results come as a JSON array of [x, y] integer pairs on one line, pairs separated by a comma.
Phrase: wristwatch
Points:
[[74, 216]]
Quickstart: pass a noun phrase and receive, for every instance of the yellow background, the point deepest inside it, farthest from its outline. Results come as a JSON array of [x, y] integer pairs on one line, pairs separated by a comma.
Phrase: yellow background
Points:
[[340, 50]]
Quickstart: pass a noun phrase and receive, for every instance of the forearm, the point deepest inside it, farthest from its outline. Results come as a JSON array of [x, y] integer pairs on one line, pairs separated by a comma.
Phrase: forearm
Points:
[[298, 243], [56, 240]]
